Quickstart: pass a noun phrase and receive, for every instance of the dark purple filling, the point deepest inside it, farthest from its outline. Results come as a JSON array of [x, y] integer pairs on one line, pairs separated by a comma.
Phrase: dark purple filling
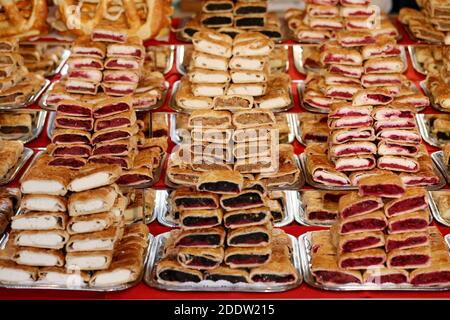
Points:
[[335, 277], [243, 200], [195, 203], [178, 276], [111, 149], [409, 260], [113, 135], [361, 207], [364, 224], [200, 240], [273, 278], [71, 151], [361, 262], [133, 179], [390, 278], [229, 278], [436, 277], [195, 261], [244, 218], [355, 245], [247, 259], [322, 215], [200, 222], [410, 242], [252, 238], [111, 109], [113, 123], [219, 186]]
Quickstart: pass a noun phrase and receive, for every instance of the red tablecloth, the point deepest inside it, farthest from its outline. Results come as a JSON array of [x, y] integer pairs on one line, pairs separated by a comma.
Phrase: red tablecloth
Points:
[[304, 291]]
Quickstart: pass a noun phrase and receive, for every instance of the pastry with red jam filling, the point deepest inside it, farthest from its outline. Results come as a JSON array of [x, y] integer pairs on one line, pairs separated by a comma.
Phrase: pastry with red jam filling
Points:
[[74, 108], [362, 259], [71, 137], [408, 222], [407, 240], [383, 275], [381, 185], [414, 199], [352, 204], [418, 257], [374, 221]]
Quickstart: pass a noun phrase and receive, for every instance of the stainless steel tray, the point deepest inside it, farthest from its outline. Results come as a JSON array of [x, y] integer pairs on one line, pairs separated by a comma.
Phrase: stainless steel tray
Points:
[[301, 218], [438, 158], [12, 173], [425, 130], [436, 106], [174, 106], [61, 67], [298, 129], [82, 287], [156, 177], [44, 105], [38, 120], [317, 185], [300, 90], [50, 124], [30, 100], [305, 245], [435, 208], [297, 185], [164, 218], [416, 65], [206, 285], [177, 138], [170, 58]]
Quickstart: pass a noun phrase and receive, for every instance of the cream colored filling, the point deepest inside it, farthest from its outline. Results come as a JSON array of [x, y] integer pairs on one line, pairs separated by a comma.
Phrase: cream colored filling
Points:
[[115, 277], [214, 49], [328, 176], [207, 91], [278, 102], [89, 245], [85, 263], [209, 63], [11, 275], [200, 77], [37, 259], [43, 204], [66, 279], [35, 223], [397, 161], [355, 162], [246, 90], [36, 187], [91, 206], [247, 77], [40, 240], [88, 226], [193, 103], [92, 181], [244, 63]]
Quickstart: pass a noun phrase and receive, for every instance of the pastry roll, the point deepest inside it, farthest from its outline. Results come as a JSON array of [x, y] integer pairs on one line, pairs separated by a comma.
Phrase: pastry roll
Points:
[[355, 163], [68, 122], [333, 79], [381, 185], [400, 136], [425, 176], [94, 176], [247, 199], [38, 257], [133, 48], [384, 65], [182, 175], [395, 124], [406, 240], [38, 202], [381, 80], [374, 221], [276, 210], [252, 236], [90, 223], [345, 109], [119, 272], [11, 272], [418, 100], [320, 23], [398, 163], [92, 201], [372, 97], [353, 148], [121, 147], [352, 38], [61, 276], [385, 275], [359, 241], [352, 204], [94, 241], [212, 42], [230, 31], [419, 257], [322, 242], [81, 86], [349, 135], [232, 102], [200, 218], [225, 273], [207, 238], [317, 208], [46, 239], [200, 258], [84, 47], [278, 270], [346, 70], [208, 89], [169, 271], [125, 162], [217, 6], [250, 257], [247, 89], [186, 199], [393, 149], [322, 10], [88, 260], [326, 271], [246, 217], [39, 221], [363, 259], [209, 61], [287, 175], [249, 44], [350, 122], [220, 181], [205, 119], [414, 199], [76, 150], [341, 56], [111, 106], [216, 20], [200, 75], [384, 47], [249, 76], [85, 62], [249, 63], [436, 274], [126, 77], [88, 75], [114, 134], [120, 63], [394, 111], [71, 136], [408, 222], [323, 171], [253, 118]]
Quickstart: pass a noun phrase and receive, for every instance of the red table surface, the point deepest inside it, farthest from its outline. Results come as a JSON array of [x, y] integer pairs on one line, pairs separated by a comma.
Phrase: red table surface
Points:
[[304, 291]]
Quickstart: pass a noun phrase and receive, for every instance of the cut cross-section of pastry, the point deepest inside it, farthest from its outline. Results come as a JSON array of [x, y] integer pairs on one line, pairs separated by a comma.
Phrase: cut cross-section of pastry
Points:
[[384, 47], [38, 220], [245, 200], [84, 47], [346, 109], [68, 162], [398, 163], [92, 201], [349, 135], [381, 80], [169, 271], [424, 177], [90, 223], [207, 237], [225, 273], [279, 270], [346, 70], [363, 259], [353, 204], [111, 106], [206, 119], [381, 185], [94, 176], [246, 217], [68, 122], [384, 65], [374, 221], [372, 97], [71, 136], [419, 257], [406, 240], [355, 163], [382, 275], [438, 274], [200, 218], [358, 241], [350, 122], [220, 181], [200, 258], [42, 202], [341, 56], [46, 239], [323, 171], [253, 118], [63, 150], [351, 38], [394, 111], [352, 148], [89, 260], [414, 199], [38, 257], [252, 236], [200, 75], [400, 136], [249, 257], [395, 124], [187, 199], [394, 149], [94, 241], [133, 48], [326, 271], [74, 108], [408, 222], [114, 134], [232, 102], [212, 42]]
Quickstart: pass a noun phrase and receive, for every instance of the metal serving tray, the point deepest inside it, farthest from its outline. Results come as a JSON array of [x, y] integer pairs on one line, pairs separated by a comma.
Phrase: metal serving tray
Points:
[[44, 105], [297, 185], [435, 208], [38, 120], [61, 67], [171, 56], [436, 106], [298, 129], [438, 158], [317, 185], [206, 285], [177, 139], [30, 100], [301, 218], [416, 65], [78, 286], [12, 173], [425, 130], [162, 206], [305, 257], [174, 106], [413, 37]]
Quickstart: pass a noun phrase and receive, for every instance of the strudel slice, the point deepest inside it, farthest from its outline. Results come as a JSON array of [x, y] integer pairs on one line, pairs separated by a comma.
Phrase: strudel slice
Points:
[[349, 135], [425, 176], [374, 221], [209, 119], [232, 102], [200, 258], [350, 122], [345, 109], [225, 273], [94, 241], [324, 172], [253, 118], [209, 61], [398, 163], [407, 240], [346, 70], [341, 56], [63, 150], [419, 257], [46, 239], [220, 181], [246, 217], [253, 236], [81, 86], [353, 204], [351, 38], [382, 275], [250, 257], [11, 272], [39, 202], [278, 270], [372, 97], [414, 199], [382, 80], [358, 241], [200, 218], [252, 44], [90, 223], [394, 111], [68, 122], [38, 257], [111, 106], [417, 100], [92, 201], [352, 148], [408, 222], [39, 221], [187, 199], [133, 48], [88, 260], [381, 185], [169, 271], [61, 276], [438, 274], [363, 259], [326, 271], [384, 65], [355, 163], [400, 136], [71, 136], [247, 199], [209, 237], [394, 149], [85, 62], [384, 47], [212, 42]]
